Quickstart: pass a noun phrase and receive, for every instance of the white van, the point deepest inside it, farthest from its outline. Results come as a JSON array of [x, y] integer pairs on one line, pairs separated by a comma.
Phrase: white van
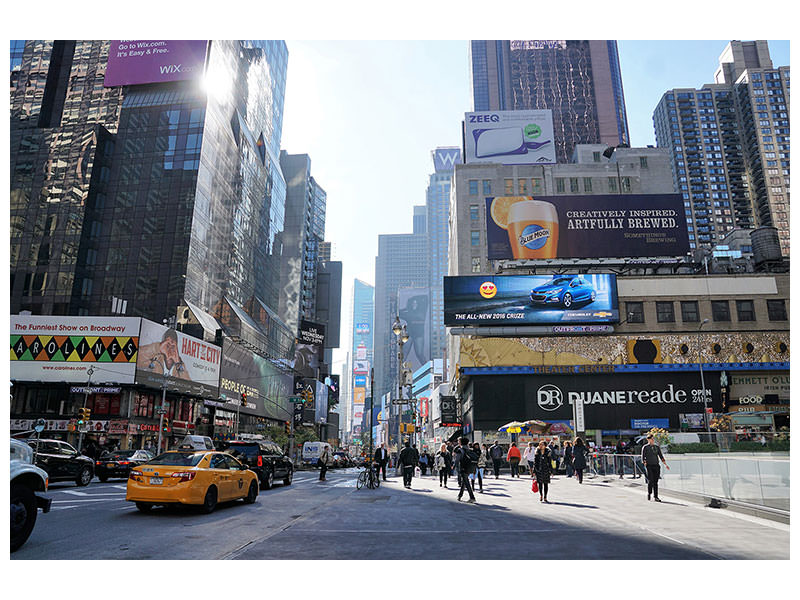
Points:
[[196, 442], [312, 450]]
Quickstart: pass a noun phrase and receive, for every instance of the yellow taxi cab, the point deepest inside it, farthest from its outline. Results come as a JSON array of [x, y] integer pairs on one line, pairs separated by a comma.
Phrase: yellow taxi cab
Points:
[[191, 477]]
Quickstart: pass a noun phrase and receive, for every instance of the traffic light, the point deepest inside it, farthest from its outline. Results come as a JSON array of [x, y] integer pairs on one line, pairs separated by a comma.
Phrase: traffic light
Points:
[[165, 425], [244, 399], [308, 395], [83, 415], [287, 427]]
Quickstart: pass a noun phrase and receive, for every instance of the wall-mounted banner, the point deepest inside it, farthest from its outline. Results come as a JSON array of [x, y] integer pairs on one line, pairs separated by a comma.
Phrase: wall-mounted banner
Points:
[[132, 62], [445, 159], [184, 363], [361, 367], [414, 307], [593, 226], [55, 348], [509, 137], [448, 411], [362, 328], [267, 387], [312, 333], [530, 299]]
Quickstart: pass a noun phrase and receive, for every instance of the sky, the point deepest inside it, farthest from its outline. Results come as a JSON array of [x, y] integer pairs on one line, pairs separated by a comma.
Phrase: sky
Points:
[[370, 113]]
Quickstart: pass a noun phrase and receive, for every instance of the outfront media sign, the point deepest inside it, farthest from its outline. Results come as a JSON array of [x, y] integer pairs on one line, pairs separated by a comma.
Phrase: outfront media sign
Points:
[[530, 299], [509, 137], [595, 226], [133, 62]]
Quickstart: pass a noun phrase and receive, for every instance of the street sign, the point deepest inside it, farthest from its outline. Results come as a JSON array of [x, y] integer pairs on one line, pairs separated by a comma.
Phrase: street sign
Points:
[[296, 400], [161, 411], [400, 401]]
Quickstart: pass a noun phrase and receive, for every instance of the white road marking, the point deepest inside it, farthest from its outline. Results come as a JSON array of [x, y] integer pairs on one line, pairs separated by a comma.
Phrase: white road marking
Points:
[[121, 487], [90, 500], [63, 507], [74, 493]]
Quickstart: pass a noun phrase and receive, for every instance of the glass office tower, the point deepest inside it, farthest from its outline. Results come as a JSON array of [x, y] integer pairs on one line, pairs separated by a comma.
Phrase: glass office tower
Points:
[[579, 80], [150, 193]]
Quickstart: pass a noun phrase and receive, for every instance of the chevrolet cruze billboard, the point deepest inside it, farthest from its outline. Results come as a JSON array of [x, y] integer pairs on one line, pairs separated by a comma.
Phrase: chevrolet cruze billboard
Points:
[[530, 299]]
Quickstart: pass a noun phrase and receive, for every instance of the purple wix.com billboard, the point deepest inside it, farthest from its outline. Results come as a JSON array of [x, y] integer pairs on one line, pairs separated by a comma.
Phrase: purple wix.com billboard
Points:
[[133, 62]]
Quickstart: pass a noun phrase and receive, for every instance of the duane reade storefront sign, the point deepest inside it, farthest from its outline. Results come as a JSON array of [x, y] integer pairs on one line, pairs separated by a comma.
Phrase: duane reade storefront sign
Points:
[[609, 401]]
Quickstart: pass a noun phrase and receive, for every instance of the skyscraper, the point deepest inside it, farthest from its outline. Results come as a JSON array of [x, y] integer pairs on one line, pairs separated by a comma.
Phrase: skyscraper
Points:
[[401, 263], [438, 213], [303, 233], [362, 313], [729, 146], [151, 190], [579, 80]]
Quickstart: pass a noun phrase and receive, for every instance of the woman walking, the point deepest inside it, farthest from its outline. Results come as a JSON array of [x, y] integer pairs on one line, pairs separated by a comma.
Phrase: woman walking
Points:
[[478, 474], [568, 457], [527, 456], [542, 466], [579, 458], [513, 459], [444, 462]]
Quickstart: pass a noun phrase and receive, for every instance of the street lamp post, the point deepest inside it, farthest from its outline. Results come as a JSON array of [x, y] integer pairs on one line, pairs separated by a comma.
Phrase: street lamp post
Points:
[[402, 337], [703, 383], [89, 372]]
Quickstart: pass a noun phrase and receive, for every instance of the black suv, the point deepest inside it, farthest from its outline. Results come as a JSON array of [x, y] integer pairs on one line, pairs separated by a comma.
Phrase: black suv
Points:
[[62, 462], [264, 457]]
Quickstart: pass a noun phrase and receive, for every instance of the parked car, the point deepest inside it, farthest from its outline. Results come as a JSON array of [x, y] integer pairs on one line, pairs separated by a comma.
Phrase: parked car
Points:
[[201, 478], [62, 462], [26, 480], [564, 290], [119, 463], [342, 460], [263, 457]]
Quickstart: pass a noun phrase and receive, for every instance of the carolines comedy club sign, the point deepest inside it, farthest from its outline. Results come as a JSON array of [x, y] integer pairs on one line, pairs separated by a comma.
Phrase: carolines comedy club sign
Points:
[[550, 397]]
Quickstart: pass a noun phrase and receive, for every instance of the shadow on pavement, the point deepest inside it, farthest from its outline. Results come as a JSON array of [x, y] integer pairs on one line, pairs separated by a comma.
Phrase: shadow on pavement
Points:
[[571, 504]]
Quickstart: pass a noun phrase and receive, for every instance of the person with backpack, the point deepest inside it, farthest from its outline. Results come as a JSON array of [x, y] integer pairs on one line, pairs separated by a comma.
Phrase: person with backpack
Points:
[[467, 461], [479, 466], [408, 460], [579, 458], [542, 466], [444, 462], [324, 460], [513, 459], [496, 453]]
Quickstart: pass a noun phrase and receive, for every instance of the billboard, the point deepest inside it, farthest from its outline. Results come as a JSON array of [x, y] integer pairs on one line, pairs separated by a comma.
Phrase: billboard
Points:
[[181, 361], [133, 62], [361, 367], [449, 412], [312, 333], [607, 225], [530, 299], [362, 328], [55, 348], [414, 306], [267, 387], [509, 137]]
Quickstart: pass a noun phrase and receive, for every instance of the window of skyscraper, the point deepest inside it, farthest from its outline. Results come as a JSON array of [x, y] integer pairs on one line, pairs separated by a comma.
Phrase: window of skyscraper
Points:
[[596, 156], [473, 212], [560, 184], [473, 187], [573, 185], [612, 184], [475, 238], [508, 187], [487, 186], [587, 185], [626, 184], [536, 183], [643, 162], [476, 264], [523, 186]]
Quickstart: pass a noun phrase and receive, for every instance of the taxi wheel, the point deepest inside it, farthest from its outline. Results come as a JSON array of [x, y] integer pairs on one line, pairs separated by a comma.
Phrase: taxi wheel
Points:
[[144, 506], [84, 477], [210, 501], [252, 493], [288, 479], [269, 479]]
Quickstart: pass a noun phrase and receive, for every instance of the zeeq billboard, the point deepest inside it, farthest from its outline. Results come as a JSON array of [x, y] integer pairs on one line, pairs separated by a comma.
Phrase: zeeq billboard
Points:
[[626, 225], [133, 62], [509, 137], [530, 299]]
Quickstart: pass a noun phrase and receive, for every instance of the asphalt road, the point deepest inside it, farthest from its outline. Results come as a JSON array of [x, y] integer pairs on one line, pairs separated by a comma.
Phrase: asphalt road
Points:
[[601, 519]]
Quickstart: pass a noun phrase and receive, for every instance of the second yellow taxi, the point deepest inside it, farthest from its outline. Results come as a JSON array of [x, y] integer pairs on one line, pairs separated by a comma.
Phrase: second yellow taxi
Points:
[[201, 478]]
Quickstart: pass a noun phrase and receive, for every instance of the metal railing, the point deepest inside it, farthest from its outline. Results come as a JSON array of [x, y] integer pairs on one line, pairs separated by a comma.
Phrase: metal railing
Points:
[[760, 479]]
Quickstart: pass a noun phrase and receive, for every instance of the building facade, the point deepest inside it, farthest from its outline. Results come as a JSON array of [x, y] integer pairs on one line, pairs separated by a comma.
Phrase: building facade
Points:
[[579, 80], [362, 313], [729, 146]]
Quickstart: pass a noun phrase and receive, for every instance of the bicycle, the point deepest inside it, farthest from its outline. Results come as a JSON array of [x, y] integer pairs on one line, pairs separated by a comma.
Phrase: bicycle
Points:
[[368, 477]]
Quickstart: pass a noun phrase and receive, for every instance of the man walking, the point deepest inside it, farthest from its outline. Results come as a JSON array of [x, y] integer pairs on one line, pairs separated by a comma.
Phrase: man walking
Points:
[[382, 458], [496, 453], [407, 463], [650, 455], [324, 459], [467, 460]]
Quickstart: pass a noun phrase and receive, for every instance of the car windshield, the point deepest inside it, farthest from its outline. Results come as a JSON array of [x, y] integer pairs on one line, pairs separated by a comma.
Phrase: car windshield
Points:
[[560, 281], [248, 450], [120, 454], [178, 459]]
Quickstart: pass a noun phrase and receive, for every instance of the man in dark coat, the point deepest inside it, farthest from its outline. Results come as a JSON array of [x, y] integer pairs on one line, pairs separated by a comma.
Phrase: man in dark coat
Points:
[[382, 458], [408, 460]]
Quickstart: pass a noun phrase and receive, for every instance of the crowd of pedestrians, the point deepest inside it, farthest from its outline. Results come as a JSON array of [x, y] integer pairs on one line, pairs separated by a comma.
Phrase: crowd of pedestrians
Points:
[[467, 463]]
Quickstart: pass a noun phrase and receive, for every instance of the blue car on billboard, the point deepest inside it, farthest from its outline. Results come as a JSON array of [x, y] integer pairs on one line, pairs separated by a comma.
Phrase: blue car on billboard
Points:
[[564, 291]]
